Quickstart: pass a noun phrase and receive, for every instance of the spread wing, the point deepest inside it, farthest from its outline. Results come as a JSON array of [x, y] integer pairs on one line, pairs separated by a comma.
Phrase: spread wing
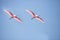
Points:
[[9, 13], [18, 19], [40, 19], [30, 12]]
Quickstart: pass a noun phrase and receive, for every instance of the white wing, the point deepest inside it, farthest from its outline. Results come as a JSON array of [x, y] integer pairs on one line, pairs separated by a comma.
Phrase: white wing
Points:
[[9, 13], [18, 19], [40, 19], [30, 12]]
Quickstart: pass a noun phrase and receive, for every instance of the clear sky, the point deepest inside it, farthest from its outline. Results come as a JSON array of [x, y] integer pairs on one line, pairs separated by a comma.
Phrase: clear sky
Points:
[[30, 29]]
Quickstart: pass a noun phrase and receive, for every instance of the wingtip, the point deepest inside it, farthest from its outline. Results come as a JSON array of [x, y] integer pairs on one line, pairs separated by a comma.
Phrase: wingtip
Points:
[[26, 9], [21, 22], [5, 10]]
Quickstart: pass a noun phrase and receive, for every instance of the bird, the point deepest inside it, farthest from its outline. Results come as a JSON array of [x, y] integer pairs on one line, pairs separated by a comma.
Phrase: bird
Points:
[[12, 15], [34, 15]]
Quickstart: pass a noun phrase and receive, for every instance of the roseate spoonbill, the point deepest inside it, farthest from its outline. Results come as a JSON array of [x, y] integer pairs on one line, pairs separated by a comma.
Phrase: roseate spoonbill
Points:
[[12, 15], [35, 16]]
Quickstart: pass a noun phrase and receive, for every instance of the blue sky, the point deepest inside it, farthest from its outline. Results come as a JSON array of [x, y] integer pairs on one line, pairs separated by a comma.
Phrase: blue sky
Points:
[[30, 29]]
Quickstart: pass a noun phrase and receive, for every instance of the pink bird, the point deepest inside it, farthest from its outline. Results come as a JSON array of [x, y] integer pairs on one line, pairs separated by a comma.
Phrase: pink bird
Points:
[[13, 16], [35, 16]]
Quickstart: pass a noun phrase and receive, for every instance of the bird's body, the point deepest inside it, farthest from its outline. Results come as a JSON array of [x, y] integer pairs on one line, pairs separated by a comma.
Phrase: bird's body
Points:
[[35, 16], [13, 16]]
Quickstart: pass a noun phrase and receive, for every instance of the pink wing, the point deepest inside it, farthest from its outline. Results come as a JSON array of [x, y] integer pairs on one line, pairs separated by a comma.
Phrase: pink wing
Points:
[[9, 13], [18, 19], [40, 19], [30, 12]]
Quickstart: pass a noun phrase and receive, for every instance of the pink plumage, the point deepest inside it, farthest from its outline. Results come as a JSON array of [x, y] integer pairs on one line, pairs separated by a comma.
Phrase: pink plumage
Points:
[[35, 16], [13, 16]]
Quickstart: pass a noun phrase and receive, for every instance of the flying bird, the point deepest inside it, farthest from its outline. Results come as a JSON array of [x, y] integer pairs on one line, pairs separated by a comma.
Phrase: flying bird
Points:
[[12, 15], [35, 16]]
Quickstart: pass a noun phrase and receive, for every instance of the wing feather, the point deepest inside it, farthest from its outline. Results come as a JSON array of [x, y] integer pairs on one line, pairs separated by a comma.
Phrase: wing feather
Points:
[[18, 19], [30, 12], [40, 19], [9, 13]]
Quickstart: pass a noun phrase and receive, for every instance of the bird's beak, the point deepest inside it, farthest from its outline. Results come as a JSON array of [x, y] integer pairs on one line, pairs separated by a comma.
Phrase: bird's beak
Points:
[[10, 18]]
